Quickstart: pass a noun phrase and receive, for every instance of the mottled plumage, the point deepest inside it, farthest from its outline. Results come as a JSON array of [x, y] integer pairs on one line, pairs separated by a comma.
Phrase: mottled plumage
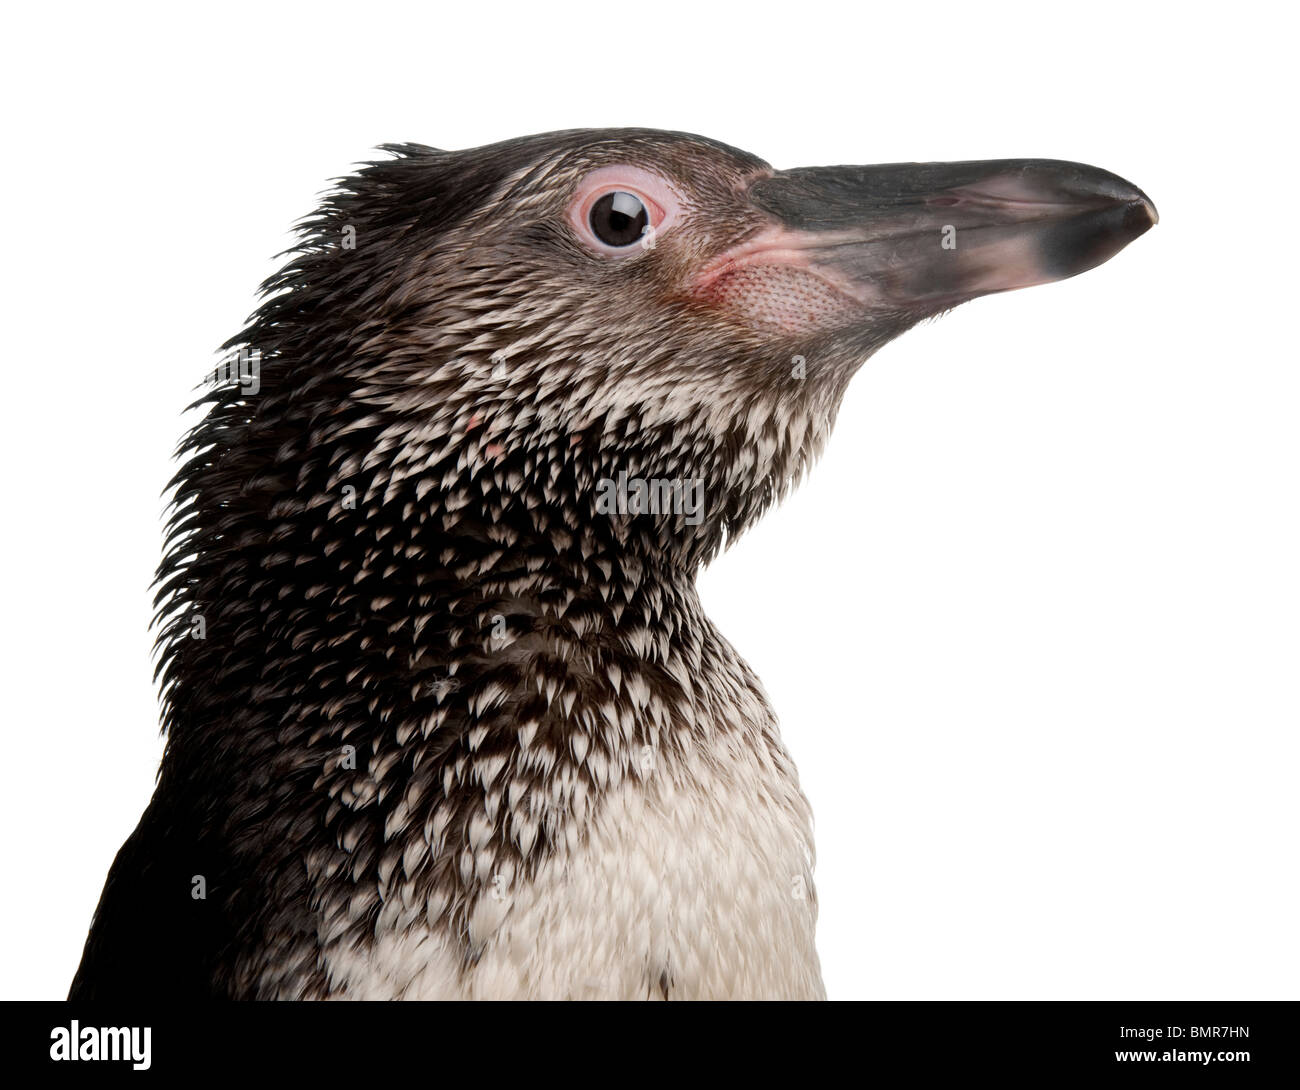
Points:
[[436, 727]]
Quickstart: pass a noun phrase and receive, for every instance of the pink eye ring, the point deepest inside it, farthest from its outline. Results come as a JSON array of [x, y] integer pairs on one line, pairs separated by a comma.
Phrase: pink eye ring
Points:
[[619, 210]]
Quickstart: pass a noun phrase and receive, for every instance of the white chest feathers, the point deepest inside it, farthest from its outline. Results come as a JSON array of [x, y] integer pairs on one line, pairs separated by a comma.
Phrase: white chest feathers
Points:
[[692, 883]]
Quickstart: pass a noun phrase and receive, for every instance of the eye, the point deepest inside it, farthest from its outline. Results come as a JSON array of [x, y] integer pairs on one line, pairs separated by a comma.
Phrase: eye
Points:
[[623, 211], [619, 218]]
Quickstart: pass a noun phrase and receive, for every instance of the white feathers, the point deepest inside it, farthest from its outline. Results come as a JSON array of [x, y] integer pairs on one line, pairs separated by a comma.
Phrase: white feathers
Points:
[[693, 882]]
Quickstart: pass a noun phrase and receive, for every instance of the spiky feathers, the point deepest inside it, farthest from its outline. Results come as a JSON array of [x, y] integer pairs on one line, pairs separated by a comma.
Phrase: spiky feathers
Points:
[[393, 547]]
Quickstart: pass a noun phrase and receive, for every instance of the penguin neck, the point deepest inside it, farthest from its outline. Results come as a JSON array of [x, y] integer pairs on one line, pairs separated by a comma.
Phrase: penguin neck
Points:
[[338, 625], [411, 676], [575, 595]]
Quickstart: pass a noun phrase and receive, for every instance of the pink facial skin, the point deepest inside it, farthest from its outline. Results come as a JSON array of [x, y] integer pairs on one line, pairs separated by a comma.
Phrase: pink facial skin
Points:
[[770, 281]]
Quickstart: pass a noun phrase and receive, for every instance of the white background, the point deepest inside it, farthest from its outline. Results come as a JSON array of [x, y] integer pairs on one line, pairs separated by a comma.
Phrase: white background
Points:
[[1031, 626]]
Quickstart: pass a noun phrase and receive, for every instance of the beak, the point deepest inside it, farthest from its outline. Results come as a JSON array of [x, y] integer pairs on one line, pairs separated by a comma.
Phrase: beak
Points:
[[927, 236]]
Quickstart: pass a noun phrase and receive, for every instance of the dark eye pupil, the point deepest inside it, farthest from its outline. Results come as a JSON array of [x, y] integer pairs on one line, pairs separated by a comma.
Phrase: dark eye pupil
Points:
[[619, 219]]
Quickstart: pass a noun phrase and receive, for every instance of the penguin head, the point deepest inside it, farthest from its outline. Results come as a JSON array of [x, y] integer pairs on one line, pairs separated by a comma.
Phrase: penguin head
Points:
[[544, 318]]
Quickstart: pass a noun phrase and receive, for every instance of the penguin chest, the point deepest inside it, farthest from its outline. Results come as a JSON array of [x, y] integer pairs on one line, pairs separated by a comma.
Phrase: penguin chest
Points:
[[695, 886], [693, 881]]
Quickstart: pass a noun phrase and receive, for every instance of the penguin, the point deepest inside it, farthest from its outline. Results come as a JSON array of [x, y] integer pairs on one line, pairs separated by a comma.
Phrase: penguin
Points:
[[444, 716]]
